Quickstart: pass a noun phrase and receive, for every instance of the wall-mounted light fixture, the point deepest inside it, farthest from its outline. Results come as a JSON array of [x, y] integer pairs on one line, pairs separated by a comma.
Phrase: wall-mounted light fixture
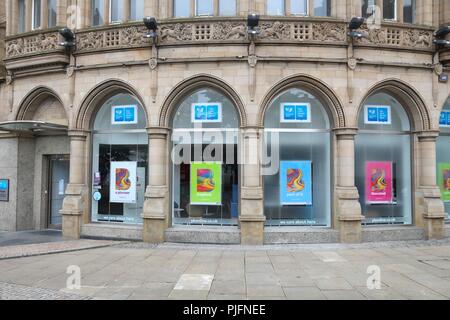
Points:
[[152, 26], [440, 35], [252, 25], [354, 24], [69, 37]]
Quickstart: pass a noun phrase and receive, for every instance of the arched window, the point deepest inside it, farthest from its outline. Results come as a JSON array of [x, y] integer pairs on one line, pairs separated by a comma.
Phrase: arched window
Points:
[[383, 161], [205, 177], [443, 156], [297, 137], [119, 160]]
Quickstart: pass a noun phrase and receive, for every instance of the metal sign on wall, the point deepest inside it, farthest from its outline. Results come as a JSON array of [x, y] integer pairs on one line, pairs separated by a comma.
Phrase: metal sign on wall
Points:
[[4, 189]]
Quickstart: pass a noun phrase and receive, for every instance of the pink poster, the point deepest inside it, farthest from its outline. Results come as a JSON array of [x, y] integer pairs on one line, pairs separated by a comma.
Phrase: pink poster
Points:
[[379, 182]]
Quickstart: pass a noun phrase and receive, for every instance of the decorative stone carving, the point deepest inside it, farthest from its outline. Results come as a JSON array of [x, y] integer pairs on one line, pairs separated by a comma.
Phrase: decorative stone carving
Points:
[[373, 36], [352, 63], [153, 63], [229, 31], [417, 38], [329, 32], [176, 32], [42, 42], [90, 40], [275, 31], [14, 47], [132, 36]]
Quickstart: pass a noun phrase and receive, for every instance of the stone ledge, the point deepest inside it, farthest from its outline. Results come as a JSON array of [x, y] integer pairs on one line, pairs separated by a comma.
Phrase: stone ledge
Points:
[[111, 231], [391, 233], [203, 235], [299, 235]]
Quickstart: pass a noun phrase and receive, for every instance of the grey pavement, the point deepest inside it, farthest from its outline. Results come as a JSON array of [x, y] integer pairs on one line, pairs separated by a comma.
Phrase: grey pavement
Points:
[[408, 270], [29, 237]]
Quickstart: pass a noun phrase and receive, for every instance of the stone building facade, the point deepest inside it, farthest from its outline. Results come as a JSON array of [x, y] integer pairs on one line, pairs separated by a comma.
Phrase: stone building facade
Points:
[[59, 142]]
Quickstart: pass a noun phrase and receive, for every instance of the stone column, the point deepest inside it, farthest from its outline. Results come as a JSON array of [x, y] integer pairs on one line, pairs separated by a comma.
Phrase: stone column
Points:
[[126, 10], [73, 204], [429, 196], [156, 204], [348, 209], [44, 14], [252, 210]]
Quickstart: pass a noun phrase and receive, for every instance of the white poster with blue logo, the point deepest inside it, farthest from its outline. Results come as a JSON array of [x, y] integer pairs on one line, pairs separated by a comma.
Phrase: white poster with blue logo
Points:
[[377, 115], [206, 112], [444, 120], [124, 114], [296, 183], [295, 112]]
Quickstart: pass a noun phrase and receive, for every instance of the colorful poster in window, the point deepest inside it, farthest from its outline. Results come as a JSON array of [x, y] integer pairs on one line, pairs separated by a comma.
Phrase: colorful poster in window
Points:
[[444, 120], [4, 189], [377, 115], [295, 112], [296, 183], [123, 182], [206, 183], [444, 180], [379, 182], [206, 112], [124, 114]]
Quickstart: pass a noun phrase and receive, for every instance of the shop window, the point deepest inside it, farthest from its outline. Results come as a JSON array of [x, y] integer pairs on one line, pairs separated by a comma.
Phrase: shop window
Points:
[[383, 161], [368, 8], [205, 170], [297, 190], [115, 11], [119, 161], [51, 5], [36, 14], [443, 156], [204, 8], [390, 10], [21, 20], [97, 7], [227, 7], [409, 11], [136, 10], [275, 7], [181, 8], [300, 7], [322, 8]]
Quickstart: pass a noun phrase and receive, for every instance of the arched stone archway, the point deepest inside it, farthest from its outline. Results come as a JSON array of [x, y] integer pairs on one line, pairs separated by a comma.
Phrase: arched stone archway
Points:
[[43, 104], [410, 99], [188, 85], [94, 98], [315, 86]]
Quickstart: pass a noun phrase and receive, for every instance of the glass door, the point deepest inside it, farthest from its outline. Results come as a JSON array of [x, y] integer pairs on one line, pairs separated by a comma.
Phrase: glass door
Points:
[[58, 179]]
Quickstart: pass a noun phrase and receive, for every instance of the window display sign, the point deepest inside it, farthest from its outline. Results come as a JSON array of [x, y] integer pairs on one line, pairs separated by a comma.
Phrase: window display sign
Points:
[[377, 115], [124, 114], [444, 120], [206, 183], [295, 183], [123, 182], [444, 180], [4, 189], [206, 112], [379, 182], [295, 112]]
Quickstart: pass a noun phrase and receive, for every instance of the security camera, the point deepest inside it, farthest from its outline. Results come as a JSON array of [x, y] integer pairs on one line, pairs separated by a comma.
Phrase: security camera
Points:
[[354, 24], [252, 24], [69, 37], [442, 32], [151, 24]]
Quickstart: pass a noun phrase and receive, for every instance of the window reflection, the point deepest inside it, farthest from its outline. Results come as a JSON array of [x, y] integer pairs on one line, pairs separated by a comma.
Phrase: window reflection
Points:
[[204, 7], [181, 8], [136, 10], [97, 12], [275, 7], [409, 11]]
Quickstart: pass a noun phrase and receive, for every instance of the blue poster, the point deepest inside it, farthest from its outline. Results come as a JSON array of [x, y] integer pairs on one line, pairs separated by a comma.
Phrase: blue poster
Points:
[[124, 114], [295, 112], [444, 120], [377, 115], [4, 190], [296, 183], [206, 112]]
